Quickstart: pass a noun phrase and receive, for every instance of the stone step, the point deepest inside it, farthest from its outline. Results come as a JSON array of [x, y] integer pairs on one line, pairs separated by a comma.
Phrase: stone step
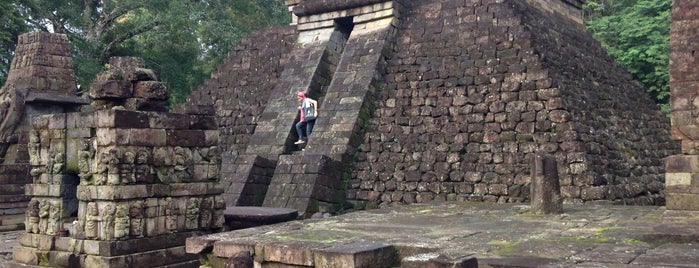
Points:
[[246, 216], [437, 260], [357, 254]]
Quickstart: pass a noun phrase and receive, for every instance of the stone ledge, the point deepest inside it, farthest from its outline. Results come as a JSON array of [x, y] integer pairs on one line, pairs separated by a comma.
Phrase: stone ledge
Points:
[[357, 254], [245, 216], [306, 8], [105, 248], [119, 192]]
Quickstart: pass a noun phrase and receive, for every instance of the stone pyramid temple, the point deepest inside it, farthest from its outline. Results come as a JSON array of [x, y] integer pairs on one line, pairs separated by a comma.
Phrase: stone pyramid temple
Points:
[[432, 100], [445, 100]]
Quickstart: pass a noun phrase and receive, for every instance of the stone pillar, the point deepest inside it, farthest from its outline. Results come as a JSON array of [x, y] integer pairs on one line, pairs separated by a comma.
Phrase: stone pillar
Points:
[[682, 171], [545, 188], [291, 4]]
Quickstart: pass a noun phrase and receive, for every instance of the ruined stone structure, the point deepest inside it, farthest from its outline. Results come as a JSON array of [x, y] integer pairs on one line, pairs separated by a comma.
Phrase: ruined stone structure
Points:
[[438, 100], [41, 81], [682, 181], [124, 184]]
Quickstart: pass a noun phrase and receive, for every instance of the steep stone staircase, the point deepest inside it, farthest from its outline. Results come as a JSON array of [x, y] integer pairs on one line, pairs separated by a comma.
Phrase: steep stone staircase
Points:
[[337, 59]]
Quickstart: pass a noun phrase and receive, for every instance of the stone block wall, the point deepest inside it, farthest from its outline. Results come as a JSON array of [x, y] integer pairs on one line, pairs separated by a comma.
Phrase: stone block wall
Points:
[[126, 186], [237, 94], [681, 179], [458, 104], [610, 119], [238, 91], [344, 109], [43, 62], [475, 88], [41, 81]]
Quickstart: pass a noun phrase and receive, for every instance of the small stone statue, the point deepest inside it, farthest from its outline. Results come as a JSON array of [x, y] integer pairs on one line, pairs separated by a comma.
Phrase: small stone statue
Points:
[[192, 214], [121, 221], [91, 220], [219, 208], [143, 169], [136, 214], [55, 220], [85, 163], [127, 168], [214, 162], [32, 223], [34, 157], [100, 169], [113, 167], [44, 212], [171, 213], [36, 173], [108, 222], [58, 163], [205, 212], [181, 169]]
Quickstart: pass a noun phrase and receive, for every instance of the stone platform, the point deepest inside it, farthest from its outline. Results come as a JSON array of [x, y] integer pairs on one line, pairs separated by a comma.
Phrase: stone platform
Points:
[[497, 235]]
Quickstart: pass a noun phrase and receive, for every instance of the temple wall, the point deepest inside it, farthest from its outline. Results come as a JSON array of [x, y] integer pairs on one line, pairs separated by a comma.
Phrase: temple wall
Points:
[[474, 90], [681, 178]]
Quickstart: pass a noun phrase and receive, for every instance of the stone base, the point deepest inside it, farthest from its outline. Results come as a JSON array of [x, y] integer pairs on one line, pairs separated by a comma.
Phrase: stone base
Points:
[[160, 251], [681, 201]]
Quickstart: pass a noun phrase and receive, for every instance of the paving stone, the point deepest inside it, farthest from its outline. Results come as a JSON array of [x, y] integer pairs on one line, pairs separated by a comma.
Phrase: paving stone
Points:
[[359, 254], [498, 235]]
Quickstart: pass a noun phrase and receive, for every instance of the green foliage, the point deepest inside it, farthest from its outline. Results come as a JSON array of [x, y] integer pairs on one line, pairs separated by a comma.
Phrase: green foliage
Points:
[[11, 26], [183, 40], [637, 34]]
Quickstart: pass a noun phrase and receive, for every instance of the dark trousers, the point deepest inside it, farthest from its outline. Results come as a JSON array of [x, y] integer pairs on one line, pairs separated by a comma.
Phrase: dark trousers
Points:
[[309, 127]]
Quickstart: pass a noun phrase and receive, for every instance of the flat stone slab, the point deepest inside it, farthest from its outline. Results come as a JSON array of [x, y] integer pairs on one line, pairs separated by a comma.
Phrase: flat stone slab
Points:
[[247, 216], [497, 235]]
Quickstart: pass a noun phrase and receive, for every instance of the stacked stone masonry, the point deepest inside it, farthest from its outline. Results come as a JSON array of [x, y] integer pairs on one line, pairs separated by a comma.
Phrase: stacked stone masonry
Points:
[[239, 94], [475, 89], [350, 50], [43, 62], [121, 188], [40, 81], [461, 97], [682, 169]]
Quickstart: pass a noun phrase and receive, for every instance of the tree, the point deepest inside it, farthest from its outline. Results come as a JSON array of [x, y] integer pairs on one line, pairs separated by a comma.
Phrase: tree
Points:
[[183, 40], [11, 26], [637, 34]]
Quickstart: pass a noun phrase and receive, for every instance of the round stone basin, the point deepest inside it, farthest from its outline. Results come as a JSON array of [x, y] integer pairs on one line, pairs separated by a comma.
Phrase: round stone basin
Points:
[[245, 216]]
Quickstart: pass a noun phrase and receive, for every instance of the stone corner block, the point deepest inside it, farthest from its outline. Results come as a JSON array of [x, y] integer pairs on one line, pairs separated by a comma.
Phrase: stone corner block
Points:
[[358, 254]]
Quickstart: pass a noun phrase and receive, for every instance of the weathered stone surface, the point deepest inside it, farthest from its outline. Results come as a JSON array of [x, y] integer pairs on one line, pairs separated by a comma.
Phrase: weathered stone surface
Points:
[[682, 186], [500, 235], [139, 183], [25, 255], [111, 89], [141, 104], [240, 260], [239, 217], [311, 7], [294, 253], [360, 254], [545, 187], [682, 201], [152, 90]]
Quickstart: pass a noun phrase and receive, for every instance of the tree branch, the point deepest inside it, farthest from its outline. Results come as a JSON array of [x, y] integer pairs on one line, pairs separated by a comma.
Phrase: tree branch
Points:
[[117, 41]]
